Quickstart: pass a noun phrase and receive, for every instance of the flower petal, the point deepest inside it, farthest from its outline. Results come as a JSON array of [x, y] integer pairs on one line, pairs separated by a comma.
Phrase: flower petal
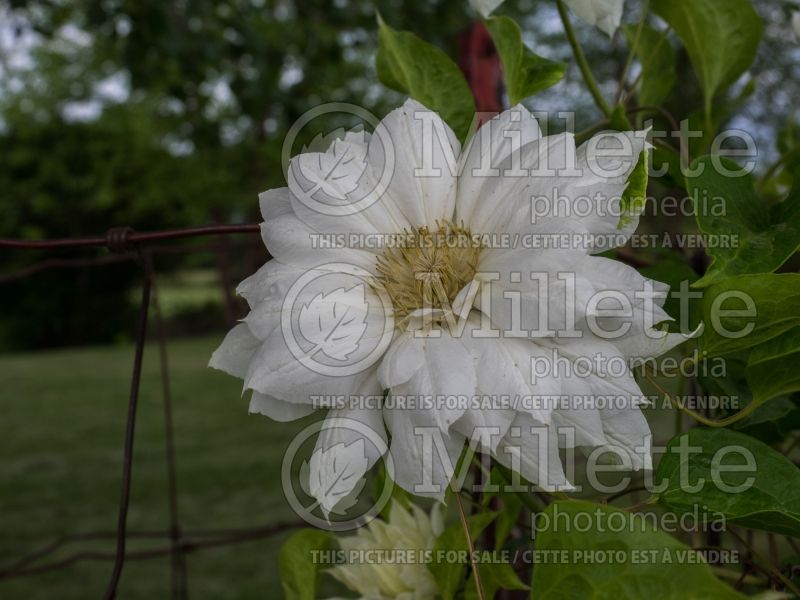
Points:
[[275, 371], [503, 203], [292, 242], [486, 162], [349, 444], [485, 7], [516, 304], [272, 279], [354, 178], [531, 449], [278, 410], [604, 14], [425, 150], [236, 351], [628, 432], [503, 366], [605, 162], [446, 378], [424, 457], [402, 360]]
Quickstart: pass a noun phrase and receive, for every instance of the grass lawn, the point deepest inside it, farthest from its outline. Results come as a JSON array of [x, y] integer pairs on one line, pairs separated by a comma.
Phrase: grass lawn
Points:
[[61, 433], [63, 418]]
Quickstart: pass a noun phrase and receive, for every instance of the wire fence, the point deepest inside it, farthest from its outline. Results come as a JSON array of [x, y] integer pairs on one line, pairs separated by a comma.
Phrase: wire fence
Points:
[[126, 244]]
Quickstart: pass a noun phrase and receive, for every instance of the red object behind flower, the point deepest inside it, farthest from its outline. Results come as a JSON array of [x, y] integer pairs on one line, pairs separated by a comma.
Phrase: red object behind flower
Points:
[[481, 66]]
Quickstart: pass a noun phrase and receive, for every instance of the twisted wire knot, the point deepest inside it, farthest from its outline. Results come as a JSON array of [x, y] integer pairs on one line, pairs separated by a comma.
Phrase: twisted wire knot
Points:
[[118, 239]]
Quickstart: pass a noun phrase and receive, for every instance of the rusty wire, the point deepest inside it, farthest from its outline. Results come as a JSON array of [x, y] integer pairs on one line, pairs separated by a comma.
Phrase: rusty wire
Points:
[[118, 238], [127, 244], [98, 261], [191, 541], [180, 584], [130, 430]]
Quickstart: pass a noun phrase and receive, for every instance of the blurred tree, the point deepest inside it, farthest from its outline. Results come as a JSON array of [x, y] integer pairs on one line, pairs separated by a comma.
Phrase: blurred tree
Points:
[[158, 113]]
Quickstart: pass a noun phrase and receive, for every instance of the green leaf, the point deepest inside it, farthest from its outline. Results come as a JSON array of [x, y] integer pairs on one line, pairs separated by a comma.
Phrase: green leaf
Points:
[[657, 58], [412, 66], [525, 73], [507, 518], [774, 308], [672, 160], [772, 422], [720, 37], [398, 494], [772, 367], [619, 119], [509, 510], [663, 569], [298, 571], [634, 197], [450, 574], [494, 576], [673, 270], [788, 136], [771, 501], [744, 235], [725, 108]]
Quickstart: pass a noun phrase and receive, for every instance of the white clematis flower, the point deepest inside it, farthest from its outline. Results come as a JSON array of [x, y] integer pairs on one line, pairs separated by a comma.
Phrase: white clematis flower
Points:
[[406, 531], [456, 305], [606, 15]]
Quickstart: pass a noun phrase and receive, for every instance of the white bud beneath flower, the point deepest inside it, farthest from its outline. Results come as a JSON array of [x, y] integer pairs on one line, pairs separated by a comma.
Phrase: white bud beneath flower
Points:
[[407, 532]]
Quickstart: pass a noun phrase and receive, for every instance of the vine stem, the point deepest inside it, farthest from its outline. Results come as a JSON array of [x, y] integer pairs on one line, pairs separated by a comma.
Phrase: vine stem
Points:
[[620, 494], [664, 112], [530, 501], [767, 564], [729, 574], [792, 446], [470, 545], [580, 58], [584, 135], [746, 411], [634, 48], [679, 414], [650, 58], [771, 172]]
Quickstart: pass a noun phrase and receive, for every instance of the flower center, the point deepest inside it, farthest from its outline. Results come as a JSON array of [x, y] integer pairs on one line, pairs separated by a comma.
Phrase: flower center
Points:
[[427, 269]]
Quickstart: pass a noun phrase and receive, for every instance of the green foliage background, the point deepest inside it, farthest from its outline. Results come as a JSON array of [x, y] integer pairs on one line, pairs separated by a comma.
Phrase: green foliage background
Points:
[[209, 90]]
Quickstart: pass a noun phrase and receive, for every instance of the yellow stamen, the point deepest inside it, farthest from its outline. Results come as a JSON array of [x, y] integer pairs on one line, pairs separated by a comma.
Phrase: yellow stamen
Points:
[[421, 268]]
